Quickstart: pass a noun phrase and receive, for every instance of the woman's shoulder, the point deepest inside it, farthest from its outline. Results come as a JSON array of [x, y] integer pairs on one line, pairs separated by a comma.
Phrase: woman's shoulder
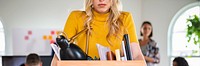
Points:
[[153, 42], [125, 13], [78, 12]]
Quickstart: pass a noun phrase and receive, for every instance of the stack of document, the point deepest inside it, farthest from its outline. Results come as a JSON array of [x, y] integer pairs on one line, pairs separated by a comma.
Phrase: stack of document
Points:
[[102, 51]]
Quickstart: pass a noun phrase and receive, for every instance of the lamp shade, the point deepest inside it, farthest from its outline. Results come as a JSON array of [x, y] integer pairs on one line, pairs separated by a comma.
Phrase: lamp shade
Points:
[[70, 51]]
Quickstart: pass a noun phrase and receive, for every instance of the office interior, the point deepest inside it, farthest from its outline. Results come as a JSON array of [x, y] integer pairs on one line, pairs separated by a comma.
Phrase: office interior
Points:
[[47, 15]]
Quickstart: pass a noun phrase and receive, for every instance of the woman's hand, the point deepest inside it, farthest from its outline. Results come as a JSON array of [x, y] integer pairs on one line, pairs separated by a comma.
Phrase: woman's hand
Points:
[[54, 60], [149, 59]]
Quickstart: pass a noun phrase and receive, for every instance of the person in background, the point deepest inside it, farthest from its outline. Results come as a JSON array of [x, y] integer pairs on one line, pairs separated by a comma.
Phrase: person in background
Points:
[[148, 45], [106, 24], [180, 61], [33, 60]]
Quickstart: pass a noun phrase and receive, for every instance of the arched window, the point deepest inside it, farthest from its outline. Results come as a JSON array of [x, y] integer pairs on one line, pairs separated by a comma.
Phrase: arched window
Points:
[[2, 38], [177, 41]]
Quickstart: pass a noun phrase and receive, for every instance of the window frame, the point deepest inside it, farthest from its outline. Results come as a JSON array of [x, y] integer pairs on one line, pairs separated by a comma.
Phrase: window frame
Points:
[[4, 45], [171, 26]]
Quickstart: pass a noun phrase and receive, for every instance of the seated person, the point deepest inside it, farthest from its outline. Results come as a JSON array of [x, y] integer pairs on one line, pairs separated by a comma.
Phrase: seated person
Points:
[[180, 61], [33, 60]]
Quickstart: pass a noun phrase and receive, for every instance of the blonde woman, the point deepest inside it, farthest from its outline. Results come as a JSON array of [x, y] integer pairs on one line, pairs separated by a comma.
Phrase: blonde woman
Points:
[[105, 25]]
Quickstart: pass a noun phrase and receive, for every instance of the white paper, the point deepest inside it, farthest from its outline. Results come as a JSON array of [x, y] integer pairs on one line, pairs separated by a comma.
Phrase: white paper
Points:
[[56, 49], [29, 40], [117, 54], [124, 51], [102, 50]]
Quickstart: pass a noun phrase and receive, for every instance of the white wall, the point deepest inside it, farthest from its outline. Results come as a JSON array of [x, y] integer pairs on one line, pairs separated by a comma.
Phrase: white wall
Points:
[[34, 14], [53, 14]]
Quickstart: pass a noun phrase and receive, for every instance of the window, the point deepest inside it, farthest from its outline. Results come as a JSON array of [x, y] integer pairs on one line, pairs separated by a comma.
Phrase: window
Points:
[[2, 38], [178, 45], [2, 42]]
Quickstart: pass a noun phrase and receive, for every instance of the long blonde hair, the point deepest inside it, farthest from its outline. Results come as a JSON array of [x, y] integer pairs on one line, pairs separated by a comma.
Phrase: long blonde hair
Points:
[[114, 22]]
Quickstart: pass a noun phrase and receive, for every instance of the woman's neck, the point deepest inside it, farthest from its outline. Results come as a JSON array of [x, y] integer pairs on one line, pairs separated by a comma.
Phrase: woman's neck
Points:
[[100, 17], [146, 38], [103, 12]]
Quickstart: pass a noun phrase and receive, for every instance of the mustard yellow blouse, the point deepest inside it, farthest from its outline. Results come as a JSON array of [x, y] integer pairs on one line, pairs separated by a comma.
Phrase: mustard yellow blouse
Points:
[[75, 23]]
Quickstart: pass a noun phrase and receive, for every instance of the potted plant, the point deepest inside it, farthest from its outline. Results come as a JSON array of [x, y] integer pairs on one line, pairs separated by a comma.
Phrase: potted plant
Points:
[[193, 29]]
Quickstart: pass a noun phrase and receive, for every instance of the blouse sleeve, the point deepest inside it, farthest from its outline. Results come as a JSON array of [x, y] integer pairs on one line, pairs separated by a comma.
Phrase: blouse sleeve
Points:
[[70, 27], [130, 27], [155, 54], [157, 58]]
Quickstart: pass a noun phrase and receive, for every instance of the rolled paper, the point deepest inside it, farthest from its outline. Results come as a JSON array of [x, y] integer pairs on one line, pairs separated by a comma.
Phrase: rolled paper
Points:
[[117, 53]]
